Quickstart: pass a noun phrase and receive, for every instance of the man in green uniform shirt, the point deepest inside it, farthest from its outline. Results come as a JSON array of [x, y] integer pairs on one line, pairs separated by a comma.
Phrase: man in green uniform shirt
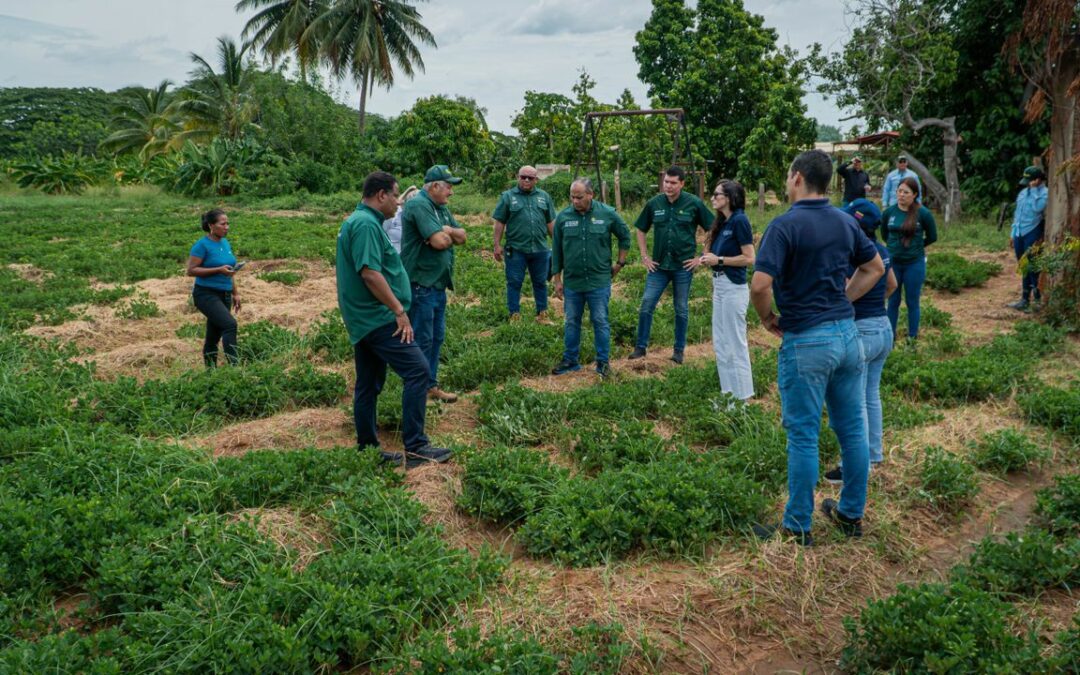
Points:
[[526, 214], [374, 297], [581, 264], [429, 234], [674, 217]]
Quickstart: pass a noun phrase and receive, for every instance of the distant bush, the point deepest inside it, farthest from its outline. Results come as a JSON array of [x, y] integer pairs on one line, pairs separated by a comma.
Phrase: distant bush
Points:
[[952, 272], [285, 277], [67, 174]]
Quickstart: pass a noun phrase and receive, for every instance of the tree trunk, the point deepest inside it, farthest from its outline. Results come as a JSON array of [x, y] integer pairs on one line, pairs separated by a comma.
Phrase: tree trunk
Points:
[[1063, 176], [949, 139], [363, 100], [932, 187]]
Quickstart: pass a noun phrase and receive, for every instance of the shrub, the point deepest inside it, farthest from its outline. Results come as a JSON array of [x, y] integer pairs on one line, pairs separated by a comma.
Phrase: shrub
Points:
[[285, 277], [599, 444], [1066, 657], [934, 628], [141, 307], [1058, 507], [1054, 408], [1007, 451], [263, 340], [946, 482], [329, 338], [1021, 563], [67, 174], [505, 485], [952, 272]]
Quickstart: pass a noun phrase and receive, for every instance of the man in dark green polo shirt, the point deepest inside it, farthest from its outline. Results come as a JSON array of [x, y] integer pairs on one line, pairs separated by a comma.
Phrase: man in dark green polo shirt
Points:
[[374, 297], [429, 234], [526, 213], [674, 217], [581, 264]]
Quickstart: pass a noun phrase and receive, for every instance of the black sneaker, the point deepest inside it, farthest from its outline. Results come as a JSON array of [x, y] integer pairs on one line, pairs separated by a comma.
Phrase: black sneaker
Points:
[[603, 369], [836, 476], [638, 353], [677, 356], [769, 531], [565, 367], [434, 454], [1022, 304], [851, 527], [411, 460]]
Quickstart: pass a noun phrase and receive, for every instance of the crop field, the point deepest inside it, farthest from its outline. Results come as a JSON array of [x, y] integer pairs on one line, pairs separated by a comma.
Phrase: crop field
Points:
[[155, 516]]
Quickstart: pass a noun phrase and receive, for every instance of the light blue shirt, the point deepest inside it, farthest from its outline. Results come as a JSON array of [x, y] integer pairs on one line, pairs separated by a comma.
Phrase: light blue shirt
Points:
[[892, 181], [392, 227], [1030, 205]]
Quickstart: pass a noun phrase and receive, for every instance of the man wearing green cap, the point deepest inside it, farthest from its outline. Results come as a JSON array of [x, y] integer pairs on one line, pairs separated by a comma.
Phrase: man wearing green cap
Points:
[[1027, 228], [429, 234]]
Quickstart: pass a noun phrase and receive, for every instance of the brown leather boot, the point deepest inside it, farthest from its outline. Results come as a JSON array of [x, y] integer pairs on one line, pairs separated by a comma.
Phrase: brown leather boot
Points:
[[436, 394]]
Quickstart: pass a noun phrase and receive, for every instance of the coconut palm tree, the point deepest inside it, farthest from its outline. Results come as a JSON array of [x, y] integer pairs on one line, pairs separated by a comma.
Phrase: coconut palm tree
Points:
[[143, 120], [218, 102], [280, 27], [366, 39]]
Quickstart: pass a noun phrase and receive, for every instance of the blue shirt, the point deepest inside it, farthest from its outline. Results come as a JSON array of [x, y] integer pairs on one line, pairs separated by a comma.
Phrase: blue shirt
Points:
[[735, 234], [873, 303], [214, 254], [807, 251], [892, 181], [1030, 206]]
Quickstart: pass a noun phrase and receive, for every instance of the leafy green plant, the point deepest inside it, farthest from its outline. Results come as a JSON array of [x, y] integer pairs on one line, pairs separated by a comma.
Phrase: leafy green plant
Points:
[[1058, 507], [952, 272], [1021, 563], [67, 174], [933, 628], [945, 481], [1007, 451], [140, 307], [284, 277], [263, 340], [599, 444], [504, 485], [1053, 407]]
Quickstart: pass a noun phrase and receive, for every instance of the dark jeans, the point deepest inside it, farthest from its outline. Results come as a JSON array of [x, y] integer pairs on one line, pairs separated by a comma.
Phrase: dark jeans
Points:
[[655, 283], [1020, 247], [371, 356], [538, 264], [910, 277], [220, 324], [428, 317]]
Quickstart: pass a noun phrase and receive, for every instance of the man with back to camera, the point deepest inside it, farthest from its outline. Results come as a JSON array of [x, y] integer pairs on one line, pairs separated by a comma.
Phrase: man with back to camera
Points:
[[856, 181], [429, 234], [527, 214], [892, 181], [581, 261], [674, 217], [804, 258], [1028, 229], [374, 297]]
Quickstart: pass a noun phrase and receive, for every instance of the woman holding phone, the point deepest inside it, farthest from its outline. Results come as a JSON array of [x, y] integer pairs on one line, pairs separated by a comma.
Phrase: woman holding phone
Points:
[[213, 265]]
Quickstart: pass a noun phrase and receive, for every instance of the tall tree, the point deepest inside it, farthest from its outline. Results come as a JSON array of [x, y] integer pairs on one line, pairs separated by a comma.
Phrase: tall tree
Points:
[[218, 102], [899, 57], [367, 39], [281, 26], [440, 130], [143, 121]]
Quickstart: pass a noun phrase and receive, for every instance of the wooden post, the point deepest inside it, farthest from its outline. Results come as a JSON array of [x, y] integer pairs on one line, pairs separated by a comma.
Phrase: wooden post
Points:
[[603, 191], [761, 196], [618, 191]]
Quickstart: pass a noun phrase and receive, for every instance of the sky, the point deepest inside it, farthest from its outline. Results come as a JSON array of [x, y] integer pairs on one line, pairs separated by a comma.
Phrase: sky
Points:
[[490, 50]]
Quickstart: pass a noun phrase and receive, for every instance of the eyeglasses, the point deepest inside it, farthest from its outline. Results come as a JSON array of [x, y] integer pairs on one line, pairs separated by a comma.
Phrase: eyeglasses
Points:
[[528, 177], [719, 193]]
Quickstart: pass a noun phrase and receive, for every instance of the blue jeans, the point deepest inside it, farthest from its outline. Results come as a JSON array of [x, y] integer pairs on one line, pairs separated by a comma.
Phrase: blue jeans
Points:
[[876, 337], [574, 305], [1020, 247], [818, 366], [910, 277], [655, 283], [371, 356], [538, 264], [428, 317]]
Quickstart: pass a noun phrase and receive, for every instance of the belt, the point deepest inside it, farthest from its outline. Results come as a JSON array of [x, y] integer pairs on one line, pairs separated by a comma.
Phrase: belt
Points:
[[717, 273]]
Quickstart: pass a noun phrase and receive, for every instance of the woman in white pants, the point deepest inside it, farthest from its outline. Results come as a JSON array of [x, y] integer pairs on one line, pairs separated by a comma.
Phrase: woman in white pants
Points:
[[729, 251]]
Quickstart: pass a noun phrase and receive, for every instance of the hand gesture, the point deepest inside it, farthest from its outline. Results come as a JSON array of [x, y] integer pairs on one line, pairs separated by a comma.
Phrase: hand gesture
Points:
[[227, 270], [691, 264], [404, 328], [710, 259], [649, 263]]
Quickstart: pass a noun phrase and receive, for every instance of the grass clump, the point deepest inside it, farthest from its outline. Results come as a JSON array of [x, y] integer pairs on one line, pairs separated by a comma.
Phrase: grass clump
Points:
[[1053, 407], [1007, 451], [952, 272], [946, 482], [505, 485], [140, 307], [284, 277], [1058, 506], [1021, 564]]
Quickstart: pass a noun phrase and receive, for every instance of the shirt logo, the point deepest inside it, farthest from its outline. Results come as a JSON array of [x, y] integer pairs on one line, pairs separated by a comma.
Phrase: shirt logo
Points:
[[726, 233], [659, 212], [570, 223], [597, 221]]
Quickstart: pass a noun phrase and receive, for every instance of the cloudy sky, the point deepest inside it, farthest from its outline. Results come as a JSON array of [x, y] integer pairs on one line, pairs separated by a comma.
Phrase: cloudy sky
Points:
[[490, 50]]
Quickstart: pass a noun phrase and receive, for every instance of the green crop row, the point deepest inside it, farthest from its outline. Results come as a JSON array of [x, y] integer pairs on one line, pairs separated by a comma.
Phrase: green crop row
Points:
[[952, 272], [1053, 407]]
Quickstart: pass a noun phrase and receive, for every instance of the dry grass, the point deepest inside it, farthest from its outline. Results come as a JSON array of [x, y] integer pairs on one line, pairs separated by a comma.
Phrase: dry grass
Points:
[[303, 534]]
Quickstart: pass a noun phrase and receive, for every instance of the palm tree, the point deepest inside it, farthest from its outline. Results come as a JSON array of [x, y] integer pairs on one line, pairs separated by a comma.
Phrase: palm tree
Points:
[[143, 120], [218, 103], [280, 26], [365, 39]]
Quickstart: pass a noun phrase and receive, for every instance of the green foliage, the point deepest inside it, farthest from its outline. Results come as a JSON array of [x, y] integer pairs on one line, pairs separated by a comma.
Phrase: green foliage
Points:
[[952, 272], [41, 121], [932, 628], [505, 485], [144, 122], [284, 277], [66, 174], [1021, 564], [441, 130], [263, 340], [139, 307], [1053, 407], [329, 338], [946, 482], [225, 167], [1058, 507], [1066, 658], [600, 444], [1007, 451]]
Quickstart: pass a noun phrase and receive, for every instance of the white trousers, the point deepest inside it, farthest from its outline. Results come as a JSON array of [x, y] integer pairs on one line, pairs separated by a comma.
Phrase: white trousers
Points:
[[729, 337]]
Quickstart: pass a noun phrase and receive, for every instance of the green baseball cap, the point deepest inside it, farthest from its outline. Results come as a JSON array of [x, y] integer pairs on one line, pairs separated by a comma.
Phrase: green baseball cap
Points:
[[441, 172], [1031, 173]]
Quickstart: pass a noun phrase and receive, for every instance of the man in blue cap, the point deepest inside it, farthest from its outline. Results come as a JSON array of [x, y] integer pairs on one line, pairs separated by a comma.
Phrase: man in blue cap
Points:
[[1027, 229], [429, 234]]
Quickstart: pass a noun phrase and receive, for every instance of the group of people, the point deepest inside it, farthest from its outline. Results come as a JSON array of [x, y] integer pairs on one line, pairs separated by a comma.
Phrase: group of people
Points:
[[823, 267]]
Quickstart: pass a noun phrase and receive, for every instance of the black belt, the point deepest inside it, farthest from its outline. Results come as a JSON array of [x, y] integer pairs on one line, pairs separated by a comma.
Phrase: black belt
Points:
[[717, 272]]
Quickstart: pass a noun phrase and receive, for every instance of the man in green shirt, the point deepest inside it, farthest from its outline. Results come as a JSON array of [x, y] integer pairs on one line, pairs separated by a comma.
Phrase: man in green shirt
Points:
[[374, 297], [429, 234], [526, 214], [581, 257], [674, 217]]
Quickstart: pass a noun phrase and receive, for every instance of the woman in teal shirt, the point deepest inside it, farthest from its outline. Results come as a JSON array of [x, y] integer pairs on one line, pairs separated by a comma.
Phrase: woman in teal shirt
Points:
[[909, 229], [212, 262]]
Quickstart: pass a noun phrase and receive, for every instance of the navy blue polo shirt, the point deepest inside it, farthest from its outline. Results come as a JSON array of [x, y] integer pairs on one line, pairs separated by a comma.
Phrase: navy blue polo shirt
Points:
[[733, 235], [808, 251], [873, 303]]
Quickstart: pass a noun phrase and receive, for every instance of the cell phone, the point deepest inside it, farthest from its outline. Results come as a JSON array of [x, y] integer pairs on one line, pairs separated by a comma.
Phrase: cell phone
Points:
[[238, 266]]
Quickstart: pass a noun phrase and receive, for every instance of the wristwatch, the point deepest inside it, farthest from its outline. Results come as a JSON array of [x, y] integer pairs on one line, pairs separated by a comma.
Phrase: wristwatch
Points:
[[721, 260]]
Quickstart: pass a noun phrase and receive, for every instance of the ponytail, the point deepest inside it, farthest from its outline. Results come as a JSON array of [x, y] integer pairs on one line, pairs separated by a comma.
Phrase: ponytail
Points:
[[211, 217]]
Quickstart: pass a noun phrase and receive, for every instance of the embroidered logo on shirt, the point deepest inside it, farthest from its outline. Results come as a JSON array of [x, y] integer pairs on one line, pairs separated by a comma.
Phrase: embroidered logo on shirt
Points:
[[570, 223], [597, 221]]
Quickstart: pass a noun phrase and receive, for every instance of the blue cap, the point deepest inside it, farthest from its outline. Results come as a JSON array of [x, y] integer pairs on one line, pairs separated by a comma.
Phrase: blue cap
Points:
[[865, 211]]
